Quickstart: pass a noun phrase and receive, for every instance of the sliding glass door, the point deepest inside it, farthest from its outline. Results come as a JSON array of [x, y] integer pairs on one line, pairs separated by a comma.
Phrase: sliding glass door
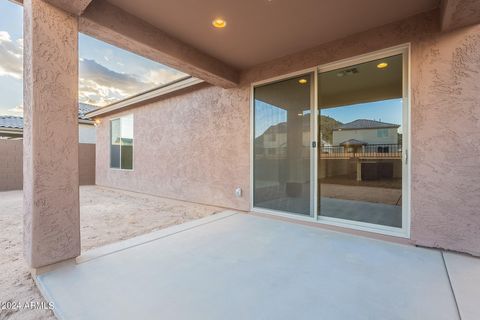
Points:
[[360, 136], [282, 145], [347, 164]]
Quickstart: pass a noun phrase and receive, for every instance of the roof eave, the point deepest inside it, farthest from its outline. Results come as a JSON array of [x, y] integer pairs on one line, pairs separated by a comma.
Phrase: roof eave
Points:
[[384, 127], [10, 130], [84, 121], [147, 95]]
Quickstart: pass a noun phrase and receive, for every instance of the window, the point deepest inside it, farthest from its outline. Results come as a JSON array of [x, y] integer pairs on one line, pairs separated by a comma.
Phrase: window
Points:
[[382, 133], [121, 143]]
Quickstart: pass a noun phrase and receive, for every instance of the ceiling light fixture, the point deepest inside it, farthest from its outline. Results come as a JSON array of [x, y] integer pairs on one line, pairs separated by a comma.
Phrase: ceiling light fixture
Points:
[[382, 65], [300, 114], [302, 81], [219, 23]]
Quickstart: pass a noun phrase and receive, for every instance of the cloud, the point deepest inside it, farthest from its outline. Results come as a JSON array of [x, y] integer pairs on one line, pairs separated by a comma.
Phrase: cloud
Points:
[[163, 76], [92, 71], [15, 111], [98, 84], [11, 56], [101, 86]]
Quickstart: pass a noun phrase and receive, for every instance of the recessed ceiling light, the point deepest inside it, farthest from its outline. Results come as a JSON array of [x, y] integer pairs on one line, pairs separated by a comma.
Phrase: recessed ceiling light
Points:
[[382, 65], [300, 114], [302, 81], [219, 23]]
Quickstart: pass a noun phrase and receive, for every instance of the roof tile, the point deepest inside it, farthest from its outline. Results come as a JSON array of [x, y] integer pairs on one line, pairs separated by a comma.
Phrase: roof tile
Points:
[[366, 124], [14, 122]]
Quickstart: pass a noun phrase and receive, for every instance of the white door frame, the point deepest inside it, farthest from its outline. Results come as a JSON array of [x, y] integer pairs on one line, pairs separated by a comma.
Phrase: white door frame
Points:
[[403, 232]]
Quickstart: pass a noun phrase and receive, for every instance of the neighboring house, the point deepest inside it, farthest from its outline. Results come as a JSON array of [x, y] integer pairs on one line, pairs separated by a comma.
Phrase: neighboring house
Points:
[[273, 141], [369, 135], [366, 132], [11, 127]]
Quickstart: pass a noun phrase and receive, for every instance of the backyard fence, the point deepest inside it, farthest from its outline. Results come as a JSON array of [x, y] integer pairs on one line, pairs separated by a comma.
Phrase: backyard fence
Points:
[[11, 164], [371, 151]]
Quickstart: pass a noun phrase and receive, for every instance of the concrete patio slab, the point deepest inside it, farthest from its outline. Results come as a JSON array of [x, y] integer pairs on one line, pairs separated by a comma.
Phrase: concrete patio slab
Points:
[[464, 272], [248, 267]]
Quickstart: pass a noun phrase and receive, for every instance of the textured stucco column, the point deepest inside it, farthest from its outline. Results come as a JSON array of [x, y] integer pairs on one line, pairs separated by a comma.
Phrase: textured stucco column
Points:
[[51, 201]]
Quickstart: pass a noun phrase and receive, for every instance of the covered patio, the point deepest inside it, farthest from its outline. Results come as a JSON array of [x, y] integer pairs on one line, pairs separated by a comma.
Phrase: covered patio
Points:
[[242, 266], [198, 138]]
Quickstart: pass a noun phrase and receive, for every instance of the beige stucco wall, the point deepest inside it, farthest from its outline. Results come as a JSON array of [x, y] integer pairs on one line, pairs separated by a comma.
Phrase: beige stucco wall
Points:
[[195, 146], [11, 164], [445, 135], [86, 164], [191, 147]]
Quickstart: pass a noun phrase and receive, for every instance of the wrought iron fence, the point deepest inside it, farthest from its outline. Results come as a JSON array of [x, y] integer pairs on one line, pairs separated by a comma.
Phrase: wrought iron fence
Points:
[[366, 151], [370, 151]]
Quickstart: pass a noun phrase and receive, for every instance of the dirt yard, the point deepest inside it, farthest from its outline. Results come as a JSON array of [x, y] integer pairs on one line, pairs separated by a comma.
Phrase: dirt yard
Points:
[[362, 193], [107, 215]]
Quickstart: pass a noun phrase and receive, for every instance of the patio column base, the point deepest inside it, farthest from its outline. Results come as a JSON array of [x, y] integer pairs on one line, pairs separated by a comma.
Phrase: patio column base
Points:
[[41, 270]]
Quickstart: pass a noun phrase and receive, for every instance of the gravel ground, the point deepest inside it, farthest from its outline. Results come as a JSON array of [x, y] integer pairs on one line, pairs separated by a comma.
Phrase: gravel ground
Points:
[[107, 215]]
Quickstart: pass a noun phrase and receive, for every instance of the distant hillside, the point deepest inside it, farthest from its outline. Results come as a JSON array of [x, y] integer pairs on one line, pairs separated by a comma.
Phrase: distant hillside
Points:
[[327, 125]]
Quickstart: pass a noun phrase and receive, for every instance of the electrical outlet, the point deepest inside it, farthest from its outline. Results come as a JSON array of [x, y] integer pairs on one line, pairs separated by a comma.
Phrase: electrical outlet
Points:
[[238, 192]]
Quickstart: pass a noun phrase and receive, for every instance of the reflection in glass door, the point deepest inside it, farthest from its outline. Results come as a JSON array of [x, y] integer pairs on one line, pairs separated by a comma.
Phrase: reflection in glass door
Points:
[[360, 139], [282, 142]]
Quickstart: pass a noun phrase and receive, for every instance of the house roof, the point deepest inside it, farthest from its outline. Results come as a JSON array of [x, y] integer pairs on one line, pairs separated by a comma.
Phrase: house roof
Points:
[[83, 109], [13, 122], [366, 124], [146, 97]]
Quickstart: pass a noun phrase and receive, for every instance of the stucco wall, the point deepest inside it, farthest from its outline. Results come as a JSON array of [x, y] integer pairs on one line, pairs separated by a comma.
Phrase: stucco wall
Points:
[[11, 164], [86, 163], [445, 141], [195, 146]]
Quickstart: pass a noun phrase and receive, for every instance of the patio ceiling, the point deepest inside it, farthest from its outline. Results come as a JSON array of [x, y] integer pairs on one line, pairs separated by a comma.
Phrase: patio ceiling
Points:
[[261, 30], [179, 33]]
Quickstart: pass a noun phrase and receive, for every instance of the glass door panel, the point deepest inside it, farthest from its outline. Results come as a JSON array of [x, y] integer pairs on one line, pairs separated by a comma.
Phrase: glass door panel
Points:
[[360, 142], [282, 143]]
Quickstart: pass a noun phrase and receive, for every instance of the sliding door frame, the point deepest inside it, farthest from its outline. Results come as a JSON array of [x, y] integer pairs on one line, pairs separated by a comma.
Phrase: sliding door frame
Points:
[[313, 100], [403, 232]]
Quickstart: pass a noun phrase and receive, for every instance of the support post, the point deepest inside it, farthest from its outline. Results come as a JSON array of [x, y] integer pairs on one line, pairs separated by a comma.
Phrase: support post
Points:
[[359, 170], [51, 195]]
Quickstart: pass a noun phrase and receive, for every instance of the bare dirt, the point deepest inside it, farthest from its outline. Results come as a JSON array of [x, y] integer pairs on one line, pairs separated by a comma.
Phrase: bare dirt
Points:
[[107, 215]]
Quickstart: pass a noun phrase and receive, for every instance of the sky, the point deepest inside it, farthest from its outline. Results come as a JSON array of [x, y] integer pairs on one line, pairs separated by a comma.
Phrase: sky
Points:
[[106, 73], [385, 111]]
